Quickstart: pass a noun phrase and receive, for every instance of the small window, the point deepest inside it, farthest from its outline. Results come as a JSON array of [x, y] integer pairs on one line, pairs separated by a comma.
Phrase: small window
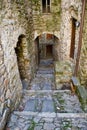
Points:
[[46, 6]]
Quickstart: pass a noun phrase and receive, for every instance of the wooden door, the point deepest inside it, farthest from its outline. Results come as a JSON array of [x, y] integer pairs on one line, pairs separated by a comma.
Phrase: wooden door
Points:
[[49, 50], [72, 49]]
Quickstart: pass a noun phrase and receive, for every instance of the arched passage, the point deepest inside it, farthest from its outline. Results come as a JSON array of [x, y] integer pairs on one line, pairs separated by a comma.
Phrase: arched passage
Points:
[[22, 58], [46, 46]]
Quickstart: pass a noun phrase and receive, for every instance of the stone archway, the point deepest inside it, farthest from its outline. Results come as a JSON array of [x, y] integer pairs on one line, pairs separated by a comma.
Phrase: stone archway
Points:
[[46, 46], [22, 59]]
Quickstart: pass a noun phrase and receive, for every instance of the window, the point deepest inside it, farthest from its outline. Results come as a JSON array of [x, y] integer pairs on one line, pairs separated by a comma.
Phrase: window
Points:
[[46, 6]]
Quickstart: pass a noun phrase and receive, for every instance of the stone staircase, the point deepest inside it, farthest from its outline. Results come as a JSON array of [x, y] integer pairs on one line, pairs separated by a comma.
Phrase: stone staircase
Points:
[[43, 107]]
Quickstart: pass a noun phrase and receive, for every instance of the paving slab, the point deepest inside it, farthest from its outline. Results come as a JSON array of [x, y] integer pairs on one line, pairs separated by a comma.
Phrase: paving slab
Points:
[[45, 108]]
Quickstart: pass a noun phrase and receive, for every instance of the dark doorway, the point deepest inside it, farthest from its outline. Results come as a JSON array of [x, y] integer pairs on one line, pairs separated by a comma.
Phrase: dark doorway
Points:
[[46, 47], [49, 51], [20, 57], [37, 55], [72, 49]]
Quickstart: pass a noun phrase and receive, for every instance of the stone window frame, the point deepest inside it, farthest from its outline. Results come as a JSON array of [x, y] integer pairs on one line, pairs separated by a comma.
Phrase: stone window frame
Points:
[[47, 11]]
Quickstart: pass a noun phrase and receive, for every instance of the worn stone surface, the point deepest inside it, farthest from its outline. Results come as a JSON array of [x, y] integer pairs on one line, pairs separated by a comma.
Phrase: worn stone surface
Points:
[[59, 123], [63, 72], [25, 18], [14, 21], [48, 109]]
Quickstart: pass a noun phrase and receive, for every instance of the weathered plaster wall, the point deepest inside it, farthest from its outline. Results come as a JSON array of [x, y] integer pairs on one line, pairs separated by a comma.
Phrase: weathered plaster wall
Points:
[[83, 59]]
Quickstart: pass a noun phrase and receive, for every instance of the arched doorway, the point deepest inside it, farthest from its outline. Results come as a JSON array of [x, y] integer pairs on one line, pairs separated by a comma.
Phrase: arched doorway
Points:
[[46, 47], [22, 59]]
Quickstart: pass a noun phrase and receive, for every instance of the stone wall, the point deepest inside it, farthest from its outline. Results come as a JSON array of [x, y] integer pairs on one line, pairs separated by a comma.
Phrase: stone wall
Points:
[[83, 58], [58, 23], [15, 20], [4, 81], [63, 72], [18, 18], [46, 22], [56, 49], [70, 8], [22, 58]]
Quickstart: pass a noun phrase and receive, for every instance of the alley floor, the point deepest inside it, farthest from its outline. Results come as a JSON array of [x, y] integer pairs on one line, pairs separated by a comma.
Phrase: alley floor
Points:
[[43, 107]]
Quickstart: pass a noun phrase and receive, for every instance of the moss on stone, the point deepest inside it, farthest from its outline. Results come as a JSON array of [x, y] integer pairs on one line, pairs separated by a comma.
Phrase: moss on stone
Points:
[[47, 21]]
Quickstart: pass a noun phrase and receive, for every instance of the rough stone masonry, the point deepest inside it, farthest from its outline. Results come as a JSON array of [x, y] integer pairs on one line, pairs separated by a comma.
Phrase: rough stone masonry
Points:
[[21, 22]]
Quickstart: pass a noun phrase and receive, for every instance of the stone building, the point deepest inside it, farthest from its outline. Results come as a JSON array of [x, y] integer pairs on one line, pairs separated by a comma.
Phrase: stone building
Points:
[[83, 59], [17, 50], [34, 29]]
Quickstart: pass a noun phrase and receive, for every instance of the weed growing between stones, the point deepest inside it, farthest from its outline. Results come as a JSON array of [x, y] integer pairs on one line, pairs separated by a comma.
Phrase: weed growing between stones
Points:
[[66, 125], [32, 125]]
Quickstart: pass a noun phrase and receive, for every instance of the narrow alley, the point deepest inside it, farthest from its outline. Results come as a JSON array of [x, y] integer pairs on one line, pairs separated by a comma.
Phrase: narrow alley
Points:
[[43, 107], [43, 64]]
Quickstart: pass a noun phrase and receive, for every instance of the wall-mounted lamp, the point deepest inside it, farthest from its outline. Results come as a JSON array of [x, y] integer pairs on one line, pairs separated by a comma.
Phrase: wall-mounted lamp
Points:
[[77, 23]]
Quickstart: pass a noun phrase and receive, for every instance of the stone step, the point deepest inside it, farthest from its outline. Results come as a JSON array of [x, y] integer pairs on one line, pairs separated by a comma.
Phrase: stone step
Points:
[[45, 109], [45, 91], [47, 121], [42, 83], [51, 114], [45, 68], [40, 104], [45, 71], [46, 61], [51, 101], [42, 86], [44, 75]]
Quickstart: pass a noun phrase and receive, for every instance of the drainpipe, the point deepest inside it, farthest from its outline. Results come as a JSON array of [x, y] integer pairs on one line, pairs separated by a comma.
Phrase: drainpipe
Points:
[[80, 38]]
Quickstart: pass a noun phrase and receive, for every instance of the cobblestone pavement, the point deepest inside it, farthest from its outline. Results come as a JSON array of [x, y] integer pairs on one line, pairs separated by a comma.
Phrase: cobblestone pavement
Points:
[[45, 108]]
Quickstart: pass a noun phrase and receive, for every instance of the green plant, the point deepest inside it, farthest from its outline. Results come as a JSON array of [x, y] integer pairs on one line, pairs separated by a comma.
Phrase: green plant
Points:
[[32, 125]]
